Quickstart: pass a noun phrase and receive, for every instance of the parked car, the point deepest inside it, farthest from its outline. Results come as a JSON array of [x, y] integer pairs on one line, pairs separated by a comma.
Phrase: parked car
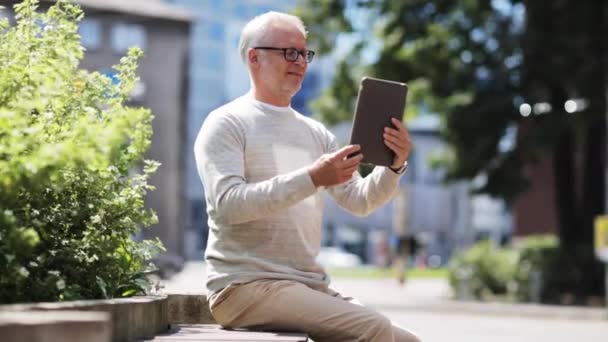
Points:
[[333, 257]]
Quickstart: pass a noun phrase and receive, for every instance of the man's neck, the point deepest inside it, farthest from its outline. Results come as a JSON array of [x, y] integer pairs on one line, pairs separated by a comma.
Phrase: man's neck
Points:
[[272, 99]]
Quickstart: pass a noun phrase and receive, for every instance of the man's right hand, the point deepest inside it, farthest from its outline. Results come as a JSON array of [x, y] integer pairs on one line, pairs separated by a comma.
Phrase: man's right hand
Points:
[[335, 168]]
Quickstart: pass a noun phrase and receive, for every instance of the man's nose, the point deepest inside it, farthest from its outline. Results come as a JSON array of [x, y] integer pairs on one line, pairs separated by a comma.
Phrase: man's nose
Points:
[[301, 59]]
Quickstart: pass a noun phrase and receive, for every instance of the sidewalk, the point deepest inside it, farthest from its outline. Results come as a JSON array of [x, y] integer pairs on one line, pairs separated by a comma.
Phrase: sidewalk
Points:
[[417, 295], [433, 295], [190, 280]]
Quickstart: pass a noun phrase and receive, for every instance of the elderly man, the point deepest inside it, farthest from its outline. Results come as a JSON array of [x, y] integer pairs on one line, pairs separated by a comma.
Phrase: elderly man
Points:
[[264, 167]]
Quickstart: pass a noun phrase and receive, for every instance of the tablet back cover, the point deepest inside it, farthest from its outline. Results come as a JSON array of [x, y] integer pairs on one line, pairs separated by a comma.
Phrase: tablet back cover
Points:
[[378, 101]]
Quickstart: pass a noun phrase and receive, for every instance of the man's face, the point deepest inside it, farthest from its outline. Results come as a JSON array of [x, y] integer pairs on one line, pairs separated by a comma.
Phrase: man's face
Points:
[[277, 75]]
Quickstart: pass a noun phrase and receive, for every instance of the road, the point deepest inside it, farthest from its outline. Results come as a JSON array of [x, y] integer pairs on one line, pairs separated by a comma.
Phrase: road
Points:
[[433, 327]]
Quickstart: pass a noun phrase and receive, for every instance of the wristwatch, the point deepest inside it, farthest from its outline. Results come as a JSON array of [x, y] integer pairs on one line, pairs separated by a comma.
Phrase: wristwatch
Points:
[[400, 170]]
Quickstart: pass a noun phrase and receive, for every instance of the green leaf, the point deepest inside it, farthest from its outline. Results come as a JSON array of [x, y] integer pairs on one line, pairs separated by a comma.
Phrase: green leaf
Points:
[[128, 293], [102, 286]]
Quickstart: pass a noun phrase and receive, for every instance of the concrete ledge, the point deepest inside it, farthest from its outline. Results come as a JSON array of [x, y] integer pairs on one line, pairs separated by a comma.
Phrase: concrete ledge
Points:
[[131, 318], [67, 326], [189, 309], [191, 320], [208, 332]]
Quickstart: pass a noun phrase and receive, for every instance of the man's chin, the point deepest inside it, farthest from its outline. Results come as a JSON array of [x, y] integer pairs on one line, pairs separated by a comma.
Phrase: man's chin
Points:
[[292, 88]]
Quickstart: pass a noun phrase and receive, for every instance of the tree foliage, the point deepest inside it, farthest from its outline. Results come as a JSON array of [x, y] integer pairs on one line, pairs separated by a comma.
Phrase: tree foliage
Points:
[[460, 59], [70, 196], [475, 62]]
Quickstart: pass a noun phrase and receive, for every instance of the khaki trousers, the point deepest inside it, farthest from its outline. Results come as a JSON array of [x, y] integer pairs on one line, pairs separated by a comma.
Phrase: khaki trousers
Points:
[[285, 305]]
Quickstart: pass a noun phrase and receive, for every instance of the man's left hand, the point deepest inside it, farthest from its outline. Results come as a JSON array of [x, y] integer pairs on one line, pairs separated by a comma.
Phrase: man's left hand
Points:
[[398, 140]]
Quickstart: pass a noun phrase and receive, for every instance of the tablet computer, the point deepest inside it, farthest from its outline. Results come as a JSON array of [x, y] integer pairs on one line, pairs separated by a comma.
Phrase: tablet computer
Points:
[[378, 101]]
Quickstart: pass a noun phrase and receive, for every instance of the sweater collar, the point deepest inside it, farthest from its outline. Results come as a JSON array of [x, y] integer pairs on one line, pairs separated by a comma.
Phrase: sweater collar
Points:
[[267, 107]]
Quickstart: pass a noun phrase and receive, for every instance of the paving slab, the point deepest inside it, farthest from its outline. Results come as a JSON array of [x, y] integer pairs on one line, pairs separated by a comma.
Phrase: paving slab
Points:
[[65, 326], [212, 332], [130, 318]]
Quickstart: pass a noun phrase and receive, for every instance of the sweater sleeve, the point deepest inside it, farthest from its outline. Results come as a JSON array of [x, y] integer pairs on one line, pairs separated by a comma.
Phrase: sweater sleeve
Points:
[[361, 196], [219, 154]]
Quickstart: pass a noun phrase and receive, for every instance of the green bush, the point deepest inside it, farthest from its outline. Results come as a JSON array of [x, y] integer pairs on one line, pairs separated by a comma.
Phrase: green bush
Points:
[[483, 270], [536, 270], [537, 259], [71, 197], [559, 273]]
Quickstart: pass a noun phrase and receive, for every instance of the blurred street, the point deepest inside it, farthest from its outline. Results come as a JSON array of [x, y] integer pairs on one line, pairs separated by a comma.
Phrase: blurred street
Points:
[[477, 328], [423, 305]]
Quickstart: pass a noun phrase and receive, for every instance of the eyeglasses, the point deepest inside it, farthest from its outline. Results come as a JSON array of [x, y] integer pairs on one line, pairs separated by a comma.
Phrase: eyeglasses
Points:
[[291, 54]]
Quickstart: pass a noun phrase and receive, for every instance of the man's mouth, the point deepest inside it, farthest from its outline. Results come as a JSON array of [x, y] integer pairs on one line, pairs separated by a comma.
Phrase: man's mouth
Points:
[[295, 74]]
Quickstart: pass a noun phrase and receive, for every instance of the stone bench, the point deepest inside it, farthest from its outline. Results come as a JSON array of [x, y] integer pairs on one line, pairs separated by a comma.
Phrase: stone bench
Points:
[[129, 318], [191, 320], [49, 326], [153, 318], [213, 332]]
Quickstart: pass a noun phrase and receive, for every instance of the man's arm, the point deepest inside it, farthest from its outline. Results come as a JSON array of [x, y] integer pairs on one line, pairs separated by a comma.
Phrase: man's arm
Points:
[[219, 153], [361, 196]]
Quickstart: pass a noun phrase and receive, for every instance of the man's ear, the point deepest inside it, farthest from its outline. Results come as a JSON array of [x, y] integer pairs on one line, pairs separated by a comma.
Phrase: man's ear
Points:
[[252, 57]]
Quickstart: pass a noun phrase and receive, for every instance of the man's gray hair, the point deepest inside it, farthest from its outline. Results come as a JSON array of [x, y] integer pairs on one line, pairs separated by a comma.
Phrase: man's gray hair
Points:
[[256, 31]]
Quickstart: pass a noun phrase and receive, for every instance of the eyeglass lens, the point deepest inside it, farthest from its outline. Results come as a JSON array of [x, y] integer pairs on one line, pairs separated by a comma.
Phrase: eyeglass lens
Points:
[[292, 55]]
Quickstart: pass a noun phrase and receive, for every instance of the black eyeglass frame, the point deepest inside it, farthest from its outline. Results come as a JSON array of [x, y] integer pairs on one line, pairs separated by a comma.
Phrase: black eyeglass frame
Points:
[[307, 55]]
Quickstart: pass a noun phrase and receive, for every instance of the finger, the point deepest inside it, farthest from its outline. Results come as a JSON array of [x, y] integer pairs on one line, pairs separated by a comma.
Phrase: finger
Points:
[[394, 132], [404, 138], [345, 151], [399, 140], [347, 176], [352, 161], [351, 170], [398, 124], [401, 128], [394, 147]]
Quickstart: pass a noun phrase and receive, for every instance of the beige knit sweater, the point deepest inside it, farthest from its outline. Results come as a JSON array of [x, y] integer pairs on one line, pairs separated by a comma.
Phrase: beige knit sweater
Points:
[[264, 211]]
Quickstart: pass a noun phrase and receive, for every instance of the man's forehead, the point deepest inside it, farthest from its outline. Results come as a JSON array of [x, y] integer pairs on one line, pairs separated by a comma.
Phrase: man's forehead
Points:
[[285, 34]]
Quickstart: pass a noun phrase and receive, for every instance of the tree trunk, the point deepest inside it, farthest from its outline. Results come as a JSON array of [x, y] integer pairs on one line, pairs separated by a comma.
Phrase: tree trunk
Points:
[[594, 191], [565, 195], [592, 205]]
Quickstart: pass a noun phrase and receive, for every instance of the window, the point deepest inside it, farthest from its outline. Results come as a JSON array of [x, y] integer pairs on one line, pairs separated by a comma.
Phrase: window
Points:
[[214, 59], [216, 32], [90, 31], [241, 11], [125, 36], [216, 5], [263, 9]]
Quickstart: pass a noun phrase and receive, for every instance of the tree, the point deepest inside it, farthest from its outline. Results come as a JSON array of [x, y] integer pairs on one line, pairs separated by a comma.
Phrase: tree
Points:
[[71, 195], [476, 62]]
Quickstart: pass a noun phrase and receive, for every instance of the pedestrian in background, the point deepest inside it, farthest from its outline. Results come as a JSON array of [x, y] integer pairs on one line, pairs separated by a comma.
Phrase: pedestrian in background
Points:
[[404, 243]]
